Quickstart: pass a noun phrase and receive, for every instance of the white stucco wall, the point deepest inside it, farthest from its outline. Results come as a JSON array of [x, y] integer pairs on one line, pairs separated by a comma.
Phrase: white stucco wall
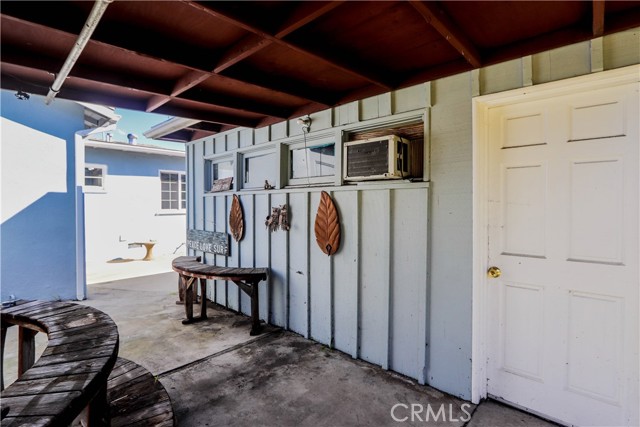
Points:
[[129, 210], [39, 199]]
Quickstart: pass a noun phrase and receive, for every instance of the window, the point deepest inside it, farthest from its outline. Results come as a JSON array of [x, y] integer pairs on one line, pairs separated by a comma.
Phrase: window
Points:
[[216, 170], [258, 169], [94, 176], [222, 170], [174, 190], [312, 162]]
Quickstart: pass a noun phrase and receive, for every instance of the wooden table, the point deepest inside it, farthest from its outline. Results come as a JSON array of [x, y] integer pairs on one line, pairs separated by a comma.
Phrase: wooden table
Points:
[[247, 279], [148, 246]]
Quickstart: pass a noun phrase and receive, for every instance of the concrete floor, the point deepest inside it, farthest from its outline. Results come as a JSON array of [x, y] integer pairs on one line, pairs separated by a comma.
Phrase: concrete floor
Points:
[[216, 374]]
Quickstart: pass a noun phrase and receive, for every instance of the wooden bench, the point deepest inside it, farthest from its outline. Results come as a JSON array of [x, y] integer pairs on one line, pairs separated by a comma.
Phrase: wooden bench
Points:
[[70, 378], [137, 397], [247, 279]]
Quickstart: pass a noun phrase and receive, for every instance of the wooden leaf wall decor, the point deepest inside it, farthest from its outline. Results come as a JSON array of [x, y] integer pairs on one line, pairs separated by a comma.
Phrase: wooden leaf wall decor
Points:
[[327, 226], [236, 219]]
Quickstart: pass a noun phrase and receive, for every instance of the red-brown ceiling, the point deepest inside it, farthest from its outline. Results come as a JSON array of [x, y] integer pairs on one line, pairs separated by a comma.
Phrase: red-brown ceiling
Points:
[[246, 63]]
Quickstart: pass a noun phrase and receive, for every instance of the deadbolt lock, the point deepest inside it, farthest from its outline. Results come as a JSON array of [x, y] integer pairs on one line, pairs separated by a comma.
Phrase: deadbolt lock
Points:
[[494, 272]]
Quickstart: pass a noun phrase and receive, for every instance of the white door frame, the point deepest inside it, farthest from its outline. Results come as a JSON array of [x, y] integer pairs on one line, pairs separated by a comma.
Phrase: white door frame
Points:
[[481, 106]]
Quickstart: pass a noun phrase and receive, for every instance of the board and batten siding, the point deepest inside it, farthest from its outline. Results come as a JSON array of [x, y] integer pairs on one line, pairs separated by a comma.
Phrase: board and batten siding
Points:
[[368, 300], [399, 291]]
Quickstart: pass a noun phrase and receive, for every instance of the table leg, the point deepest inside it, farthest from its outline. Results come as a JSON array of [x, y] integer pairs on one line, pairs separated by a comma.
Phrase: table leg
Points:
[[3, 339], [26, 349], [149, 255], [255, 310], [180, 290], [188, 299], [203, 298]]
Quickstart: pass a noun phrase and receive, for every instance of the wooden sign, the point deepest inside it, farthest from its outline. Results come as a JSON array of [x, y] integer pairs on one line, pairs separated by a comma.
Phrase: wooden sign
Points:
[[208, 241], [223, 184]]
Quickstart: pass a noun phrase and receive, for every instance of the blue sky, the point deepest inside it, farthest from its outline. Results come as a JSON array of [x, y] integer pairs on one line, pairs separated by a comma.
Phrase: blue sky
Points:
[[138, 122]]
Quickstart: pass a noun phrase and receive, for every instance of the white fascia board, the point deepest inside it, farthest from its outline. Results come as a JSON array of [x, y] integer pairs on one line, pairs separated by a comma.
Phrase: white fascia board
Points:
[[134, 148], [102, 110], [169, 126]]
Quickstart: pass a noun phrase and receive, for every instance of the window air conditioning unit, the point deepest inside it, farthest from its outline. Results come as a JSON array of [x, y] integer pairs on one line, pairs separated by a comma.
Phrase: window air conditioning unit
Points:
[[384, 157]]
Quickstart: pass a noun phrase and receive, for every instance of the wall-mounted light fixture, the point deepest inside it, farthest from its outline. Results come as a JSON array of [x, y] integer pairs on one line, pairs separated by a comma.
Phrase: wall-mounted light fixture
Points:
[[305, 123]]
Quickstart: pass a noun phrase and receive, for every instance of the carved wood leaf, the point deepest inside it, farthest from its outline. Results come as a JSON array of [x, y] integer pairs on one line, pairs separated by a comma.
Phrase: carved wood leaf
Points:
[[327, 226], [236, 219]]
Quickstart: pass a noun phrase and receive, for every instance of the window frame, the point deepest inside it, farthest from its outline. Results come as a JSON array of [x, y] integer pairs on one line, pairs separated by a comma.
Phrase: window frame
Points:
[[95, 188], [210, 162], [181, 200], [275, 166], [300, 144]]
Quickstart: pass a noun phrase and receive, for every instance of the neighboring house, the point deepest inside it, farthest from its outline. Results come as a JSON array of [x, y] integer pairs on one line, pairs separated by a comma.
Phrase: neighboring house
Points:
[[42, 232], [69, 203], [133, 193], [530, 166]]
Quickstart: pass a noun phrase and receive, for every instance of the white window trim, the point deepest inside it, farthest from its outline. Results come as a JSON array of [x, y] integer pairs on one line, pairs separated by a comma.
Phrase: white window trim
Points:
[[209, 161], [257, 153], [316, 180], [95, 188], [179, 210]]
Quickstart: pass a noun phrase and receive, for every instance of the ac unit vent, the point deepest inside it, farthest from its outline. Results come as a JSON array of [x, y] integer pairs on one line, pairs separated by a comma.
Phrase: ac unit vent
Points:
[[386, 157]]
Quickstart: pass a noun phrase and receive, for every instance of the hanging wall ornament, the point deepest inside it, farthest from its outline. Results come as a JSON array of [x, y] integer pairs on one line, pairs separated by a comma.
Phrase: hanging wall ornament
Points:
[[279, 219], [236, 219], [327, 226]]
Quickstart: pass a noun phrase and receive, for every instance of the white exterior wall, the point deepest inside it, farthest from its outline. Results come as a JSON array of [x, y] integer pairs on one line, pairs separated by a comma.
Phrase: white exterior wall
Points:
[[128, 210], [399, 291]]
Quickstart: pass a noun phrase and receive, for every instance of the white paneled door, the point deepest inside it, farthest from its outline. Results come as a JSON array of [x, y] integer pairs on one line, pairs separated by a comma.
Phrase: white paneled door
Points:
[[563, 234]]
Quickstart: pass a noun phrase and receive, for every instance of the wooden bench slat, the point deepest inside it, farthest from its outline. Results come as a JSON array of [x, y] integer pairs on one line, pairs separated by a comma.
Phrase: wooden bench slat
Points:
[[62, 369], [19, 305], [48, 404], [130, 376], [73, 324], [122, 366], [14, 311], [103, 332], [77, 355], [112, 339], [49, 315], [163, 419], [50, 385], [27, 421], [137, 398]]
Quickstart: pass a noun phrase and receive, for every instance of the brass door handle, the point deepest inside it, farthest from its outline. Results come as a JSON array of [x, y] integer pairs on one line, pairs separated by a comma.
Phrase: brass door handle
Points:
[[494, 272]]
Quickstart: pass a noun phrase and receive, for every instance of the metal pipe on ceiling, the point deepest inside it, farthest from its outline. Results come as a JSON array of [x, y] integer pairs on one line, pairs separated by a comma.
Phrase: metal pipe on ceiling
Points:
[[89, 26]]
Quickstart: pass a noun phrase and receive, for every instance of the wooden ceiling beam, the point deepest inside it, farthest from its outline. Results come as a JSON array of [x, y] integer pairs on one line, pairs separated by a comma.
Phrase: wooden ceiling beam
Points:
[[597, 26], [183, 84], [284, 86], [304, 14], [146, 55], [439, 20], [106, 79], [238, 104], [307, 12], [205, 127], [244, 48], [223, 119], [214, 9]]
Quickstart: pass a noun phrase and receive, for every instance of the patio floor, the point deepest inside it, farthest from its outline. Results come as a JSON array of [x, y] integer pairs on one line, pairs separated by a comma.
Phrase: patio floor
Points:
[[216, 374]]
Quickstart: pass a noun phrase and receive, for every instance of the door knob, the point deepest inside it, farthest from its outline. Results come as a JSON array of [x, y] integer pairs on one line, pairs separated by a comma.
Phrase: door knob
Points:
[[494, 272]]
